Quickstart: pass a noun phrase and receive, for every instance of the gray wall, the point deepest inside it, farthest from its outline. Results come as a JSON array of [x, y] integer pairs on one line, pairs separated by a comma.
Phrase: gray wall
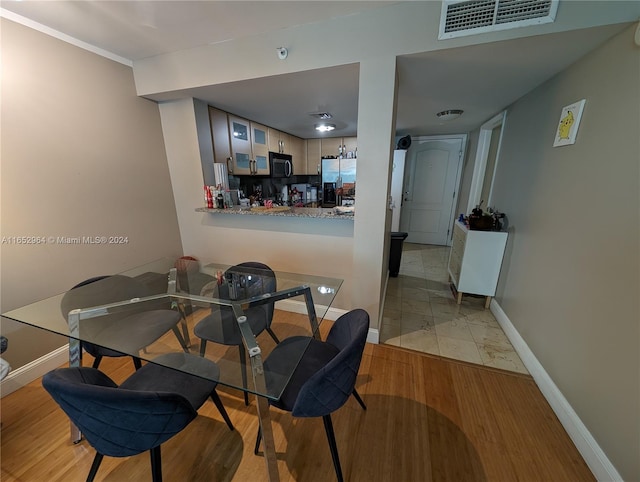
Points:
[[569, 282], [81, 155]]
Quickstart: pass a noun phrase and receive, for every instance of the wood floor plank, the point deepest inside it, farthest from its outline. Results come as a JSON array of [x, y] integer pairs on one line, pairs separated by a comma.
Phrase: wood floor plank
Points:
[[427, 419]]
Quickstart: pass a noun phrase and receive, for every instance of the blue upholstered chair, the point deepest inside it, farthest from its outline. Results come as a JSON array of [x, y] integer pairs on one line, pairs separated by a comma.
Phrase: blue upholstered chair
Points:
[[326, 375], [243, 281], [135, 330], [147, 409]]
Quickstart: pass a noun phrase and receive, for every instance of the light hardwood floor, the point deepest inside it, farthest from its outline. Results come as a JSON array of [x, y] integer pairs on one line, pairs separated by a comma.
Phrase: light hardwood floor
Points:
[[429, 419]]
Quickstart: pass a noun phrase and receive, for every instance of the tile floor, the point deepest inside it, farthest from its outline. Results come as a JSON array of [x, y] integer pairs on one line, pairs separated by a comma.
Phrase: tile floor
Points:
[[420, 313]]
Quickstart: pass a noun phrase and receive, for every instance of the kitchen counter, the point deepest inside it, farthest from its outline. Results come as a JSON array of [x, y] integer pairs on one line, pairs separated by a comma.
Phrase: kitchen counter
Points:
[[279, 211]]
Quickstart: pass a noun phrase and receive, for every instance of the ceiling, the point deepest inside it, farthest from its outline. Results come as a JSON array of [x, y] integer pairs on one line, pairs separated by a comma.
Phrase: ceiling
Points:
[[480, 79]]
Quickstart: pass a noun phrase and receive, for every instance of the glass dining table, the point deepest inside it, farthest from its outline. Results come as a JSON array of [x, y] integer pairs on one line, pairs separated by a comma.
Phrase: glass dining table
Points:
[[200, 292]]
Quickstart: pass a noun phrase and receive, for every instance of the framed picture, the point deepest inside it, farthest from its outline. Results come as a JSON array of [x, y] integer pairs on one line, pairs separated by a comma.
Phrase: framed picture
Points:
[[569, 123]]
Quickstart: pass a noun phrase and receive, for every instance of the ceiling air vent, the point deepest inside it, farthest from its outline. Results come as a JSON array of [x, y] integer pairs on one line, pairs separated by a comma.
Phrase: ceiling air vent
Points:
[[468, 17]]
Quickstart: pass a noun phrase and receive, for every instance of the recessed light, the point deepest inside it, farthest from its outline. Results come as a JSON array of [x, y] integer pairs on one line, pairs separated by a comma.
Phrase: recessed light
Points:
[[449, 115], [325, 127]]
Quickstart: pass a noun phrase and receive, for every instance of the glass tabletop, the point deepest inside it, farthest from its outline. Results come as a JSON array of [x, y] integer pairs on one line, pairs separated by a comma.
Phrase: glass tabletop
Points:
[[231, 315]]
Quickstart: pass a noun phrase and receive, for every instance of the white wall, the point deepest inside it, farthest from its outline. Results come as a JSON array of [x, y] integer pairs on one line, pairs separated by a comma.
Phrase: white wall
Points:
[[82, 155], [570, 279]]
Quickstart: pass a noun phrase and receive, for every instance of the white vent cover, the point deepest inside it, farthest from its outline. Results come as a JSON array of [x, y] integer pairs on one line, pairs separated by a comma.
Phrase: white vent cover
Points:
[[468, 17]]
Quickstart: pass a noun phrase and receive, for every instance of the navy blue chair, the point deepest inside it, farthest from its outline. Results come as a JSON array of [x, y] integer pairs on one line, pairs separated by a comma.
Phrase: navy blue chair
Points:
[[146, 410], [133, 330], [242, 281], [325, 377]]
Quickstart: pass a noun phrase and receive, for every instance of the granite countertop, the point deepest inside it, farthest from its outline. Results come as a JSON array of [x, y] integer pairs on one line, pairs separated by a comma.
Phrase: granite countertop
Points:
[[282, 211]]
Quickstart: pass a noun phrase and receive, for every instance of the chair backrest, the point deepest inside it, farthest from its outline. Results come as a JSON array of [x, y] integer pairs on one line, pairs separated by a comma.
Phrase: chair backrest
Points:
[[117, 422], [101, 290], [330, 387], [246, 280]]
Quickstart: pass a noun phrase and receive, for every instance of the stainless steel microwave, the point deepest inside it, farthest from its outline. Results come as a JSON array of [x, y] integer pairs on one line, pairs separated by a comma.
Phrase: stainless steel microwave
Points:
[[281, 164]]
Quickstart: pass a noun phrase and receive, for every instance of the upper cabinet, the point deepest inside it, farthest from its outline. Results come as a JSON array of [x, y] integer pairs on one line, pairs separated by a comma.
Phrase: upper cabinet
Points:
[[249, 148], [298, 151], [313, 156], [220, 137], [336, 146], [279, 141]]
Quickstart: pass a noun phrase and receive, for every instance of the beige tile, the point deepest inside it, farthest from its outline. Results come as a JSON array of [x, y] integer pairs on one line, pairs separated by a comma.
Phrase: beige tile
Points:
[[499, 357], [391, 317], [443, 308], [416, 306], [392, 302], [483, 318], [420, 340], [459, 349], [389, 333], [415, 294], [486, 335], [456, 328], [415, 321]]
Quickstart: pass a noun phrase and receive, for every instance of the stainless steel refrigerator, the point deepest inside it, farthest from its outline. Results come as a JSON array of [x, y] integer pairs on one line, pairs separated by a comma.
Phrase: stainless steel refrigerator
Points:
[[338, 180]]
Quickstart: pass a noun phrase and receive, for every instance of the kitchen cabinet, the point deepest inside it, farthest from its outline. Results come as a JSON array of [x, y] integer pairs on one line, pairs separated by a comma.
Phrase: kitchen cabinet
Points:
[[298, 151], [313, 156], [249, 148], [279, 141], [475, 260], [220, 136], [331, 146]]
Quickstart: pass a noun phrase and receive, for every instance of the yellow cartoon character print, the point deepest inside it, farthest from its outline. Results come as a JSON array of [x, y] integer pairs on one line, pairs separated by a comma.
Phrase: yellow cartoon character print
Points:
[[565, 125]]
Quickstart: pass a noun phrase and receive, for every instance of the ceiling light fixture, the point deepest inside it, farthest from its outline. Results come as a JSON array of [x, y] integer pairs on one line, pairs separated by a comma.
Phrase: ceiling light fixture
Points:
[[325, 127], [449, 115]]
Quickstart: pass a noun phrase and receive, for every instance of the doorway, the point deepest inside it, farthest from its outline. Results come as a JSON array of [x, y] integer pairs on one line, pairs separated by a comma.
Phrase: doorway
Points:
[[431, 181]]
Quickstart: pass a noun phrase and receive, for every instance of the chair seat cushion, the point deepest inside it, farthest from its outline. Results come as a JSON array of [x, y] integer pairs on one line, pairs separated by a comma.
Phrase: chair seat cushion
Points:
[[157, 377], [279, 363], [221, 325]]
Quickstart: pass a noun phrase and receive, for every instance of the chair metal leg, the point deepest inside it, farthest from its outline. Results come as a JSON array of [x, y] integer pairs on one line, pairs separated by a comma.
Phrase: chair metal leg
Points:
[[96, 361], [180, 339], [328, 427], [216, 399], [273, 335], [156, 464], [243, 367], [203, 347], [94, 467], [258, 440], [137, 362], [357, 396]]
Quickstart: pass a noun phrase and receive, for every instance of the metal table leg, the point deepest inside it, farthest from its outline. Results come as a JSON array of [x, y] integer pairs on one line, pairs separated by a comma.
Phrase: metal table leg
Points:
[[75, 360]]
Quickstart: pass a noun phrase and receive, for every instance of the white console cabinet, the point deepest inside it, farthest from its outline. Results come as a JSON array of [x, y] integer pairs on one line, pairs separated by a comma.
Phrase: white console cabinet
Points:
[[475, 260]]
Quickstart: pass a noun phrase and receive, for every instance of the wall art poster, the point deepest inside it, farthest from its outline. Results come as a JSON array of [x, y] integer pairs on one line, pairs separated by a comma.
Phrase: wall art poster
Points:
[[569, 123]]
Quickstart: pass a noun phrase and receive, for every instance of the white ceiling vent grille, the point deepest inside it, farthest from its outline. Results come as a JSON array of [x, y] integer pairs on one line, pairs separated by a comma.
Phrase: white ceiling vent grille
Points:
[[468, 17]]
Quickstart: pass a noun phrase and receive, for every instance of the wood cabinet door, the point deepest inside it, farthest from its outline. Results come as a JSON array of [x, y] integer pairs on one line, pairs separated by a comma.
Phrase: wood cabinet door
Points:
[[260, 149], [220, 137], [299, 155], [274, 140], [313, 156], [330, 146], [240, 135]]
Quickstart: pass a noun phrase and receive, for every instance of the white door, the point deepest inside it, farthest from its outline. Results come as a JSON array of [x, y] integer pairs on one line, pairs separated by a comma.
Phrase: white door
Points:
[[432, 176]]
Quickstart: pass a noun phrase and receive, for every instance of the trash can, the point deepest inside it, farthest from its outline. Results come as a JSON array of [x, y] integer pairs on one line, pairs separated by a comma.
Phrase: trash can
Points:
[[395, 252]]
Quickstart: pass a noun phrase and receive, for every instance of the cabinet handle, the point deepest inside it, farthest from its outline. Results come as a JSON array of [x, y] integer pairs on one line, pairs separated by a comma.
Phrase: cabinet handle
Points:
[[230, 165]]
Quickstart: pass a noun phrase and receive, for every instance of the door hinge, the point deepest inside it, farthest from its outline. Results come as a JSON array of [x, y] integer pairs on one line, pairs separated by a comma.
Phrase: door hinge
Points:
[[454, 194]]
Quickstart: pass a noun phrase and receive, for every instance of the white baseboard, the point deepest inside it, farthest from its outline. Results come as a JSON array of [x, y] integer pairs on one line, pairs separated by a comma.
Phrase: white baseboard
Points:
[[332, 314], [24, 375], [593, 455]]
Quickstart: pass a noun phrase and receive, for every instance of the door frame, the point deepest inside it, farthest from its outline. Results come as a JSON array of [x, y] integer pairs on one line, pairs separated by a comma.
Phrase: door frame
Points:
[[482, 155], [456, 192]]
